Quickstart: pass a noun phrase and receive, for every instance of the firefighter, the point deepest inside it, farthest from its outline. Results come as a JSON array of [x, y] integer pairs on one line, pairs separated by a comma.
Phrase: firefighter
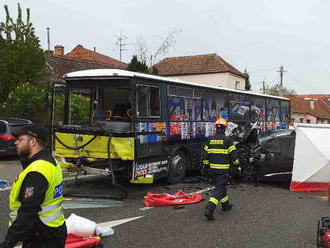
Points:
[[220, 154], [36, 212]]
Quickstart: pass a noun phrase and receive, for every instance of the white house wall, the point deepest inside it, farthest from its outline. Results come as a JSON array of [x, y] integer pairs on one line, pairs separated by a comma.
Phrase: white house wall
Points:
[[227, 79]]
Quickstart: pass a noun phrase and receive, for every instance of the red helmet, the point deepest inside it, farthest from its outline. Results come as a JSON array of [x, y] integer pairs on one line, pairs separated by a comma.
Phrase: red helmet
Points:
[[221, 122]]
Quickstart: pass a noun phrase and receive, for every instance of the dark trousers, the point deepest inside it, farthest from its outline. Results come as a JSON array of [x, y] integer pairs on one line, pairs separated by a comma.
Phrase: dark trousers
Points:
[[220, 192], [47, 237]]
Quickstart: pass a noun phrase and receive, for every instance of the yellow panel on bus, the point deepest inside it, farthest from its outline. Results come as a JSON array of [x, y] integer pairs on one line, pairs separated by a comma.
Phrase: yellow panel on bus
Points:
[[120, 147]]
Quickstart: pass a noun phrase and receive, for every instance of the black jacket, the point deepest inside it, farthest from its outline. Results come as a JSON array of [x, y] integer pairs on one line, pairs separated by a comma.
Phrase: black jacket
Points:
[[220, 152]]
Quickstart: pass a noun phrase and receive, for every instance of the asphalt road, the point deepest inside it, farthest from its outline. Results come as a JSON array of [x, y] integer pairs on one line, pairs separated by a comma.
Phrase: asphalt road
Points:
[[263, 216]]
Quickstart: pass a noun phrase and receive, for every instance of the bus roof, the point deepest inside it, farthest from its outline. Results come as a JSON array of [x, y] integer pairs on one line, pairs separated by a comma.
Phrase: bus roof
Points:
[[108, 73]]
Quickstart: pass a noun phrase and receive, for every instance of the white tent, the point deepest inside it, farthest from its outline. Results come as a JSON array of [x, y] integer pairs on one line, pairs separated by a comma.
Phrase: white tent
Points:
[[311, 166]]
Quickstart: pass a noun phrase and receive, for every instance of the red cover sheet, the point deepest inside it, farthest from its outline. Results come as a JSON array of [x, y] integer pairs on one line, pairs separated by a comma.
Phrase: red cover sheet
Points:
[[179, 198], [73, 241]]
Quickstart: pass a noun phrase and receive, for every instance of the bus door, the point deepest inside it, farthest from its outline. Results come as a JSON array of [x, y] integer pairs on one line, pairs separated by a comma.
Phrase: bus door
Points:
[[151, 160]]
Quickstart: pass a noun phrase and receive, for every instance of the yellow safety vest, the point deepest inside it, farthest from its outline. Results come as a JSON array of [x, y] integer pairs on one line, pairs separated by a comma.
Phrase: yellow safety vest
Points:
[[51, 213]]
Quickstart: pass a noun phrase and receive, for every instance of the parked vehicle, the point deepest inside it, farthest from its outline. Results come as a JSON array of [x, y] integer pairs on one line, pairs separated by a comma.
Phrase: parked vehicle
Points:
[[7, 141]]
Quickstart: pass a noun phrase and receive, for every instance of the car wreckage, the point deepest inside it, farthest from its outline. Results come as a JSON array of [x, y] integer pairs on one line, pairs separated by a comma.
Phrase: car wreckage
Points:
[[262, 155]]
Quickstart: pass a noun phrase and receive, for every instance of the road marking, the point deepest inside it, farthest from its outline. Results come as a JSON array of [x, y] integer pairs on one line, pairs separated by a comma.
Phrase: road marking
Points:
[[118, 222], [204, 190], [146, 208]]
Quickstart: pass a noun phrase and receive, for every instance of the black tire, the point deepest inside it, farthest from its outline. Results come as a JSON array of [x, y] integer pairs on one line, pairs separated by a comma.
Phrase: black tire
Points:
[[177, 168], [319, 242], [250, 174]]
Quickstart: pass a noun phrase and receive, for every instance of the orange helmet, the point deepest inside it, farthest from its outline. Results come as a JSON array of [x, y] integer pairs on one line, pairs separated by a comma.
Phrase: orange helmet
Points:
[[221, 122]]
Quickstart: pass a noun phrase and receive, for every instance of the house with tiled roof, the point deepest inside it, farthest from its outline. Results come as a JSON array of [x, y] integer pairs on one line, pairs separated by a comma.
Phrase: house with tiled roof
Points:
[[58, 64], [312, 108], [79, 52], [209, 69]]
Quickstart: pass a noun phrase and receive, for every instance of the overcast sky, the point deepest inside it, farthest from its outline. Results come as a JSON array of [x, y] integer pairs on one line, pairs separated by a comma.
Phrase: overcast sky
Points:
[[257, 35]]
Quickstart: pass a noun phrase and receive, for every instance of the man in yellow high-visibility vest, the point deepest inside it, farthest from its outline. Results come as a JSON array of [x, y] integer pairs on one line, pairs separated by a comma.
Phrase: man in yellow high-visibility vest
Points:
[[36, 212]]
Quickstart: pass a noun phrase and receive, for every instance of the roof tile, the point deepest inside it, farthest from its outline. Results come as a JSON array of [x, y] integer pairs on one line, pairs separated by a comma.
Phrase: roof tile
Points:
[[197, 64], [79, 52], [300, 105]]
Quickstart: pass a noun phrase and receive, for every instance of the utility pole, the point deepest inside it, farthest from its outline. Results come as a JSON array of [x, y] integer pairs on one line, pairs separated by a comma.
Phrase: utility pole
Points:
[[120, 42], [281, 71], [263, 87]]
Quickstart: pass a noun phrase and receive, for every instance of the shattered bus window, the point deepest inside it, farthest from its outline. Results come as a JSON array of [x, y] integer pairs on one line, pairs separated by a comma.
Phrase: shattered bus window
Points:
[[113, 104]]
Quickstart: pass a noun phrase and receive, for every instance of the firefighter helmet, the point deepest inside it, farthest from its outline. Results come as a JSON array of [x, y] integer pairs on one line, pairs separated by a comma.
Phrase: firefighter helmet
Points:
[[221, 122]]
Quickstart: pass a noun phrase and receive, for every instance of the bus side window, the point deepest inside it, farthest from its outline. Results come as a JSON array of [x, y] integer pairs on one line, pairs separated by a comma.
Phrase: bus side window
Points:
[[148, 102]]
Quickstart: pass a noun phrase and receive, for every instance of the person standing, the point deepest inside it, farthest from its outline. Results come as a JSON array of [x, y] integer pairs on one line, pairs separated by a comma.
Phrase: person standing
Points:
[[220, 154], [36, 211]]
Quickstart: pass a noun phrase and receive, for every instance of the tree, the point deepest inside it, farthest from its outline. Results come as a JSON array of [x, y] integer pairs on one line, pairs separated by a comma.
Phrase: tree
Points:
[[277, 90], [247, 81], [22, 59], [136, 65], [166, 43]]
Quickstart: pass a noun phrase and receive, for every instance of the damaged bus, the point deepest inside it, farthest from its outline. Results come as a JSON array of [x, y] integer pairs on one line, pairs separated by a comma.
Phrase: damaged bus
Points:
[[145, 127]]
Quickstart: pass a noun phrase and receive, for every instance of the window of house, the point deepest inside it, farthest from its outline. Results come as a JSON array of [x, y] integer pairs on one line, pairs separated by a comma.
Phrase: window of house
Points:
[[301, 120], [148, 102], [237, 85], [308, 121]]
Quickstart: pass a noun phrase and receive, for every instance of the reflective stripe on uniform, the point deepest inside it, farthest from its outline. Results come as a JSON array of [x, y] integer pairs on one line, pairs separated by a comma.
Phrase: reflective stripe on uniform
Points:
[[225, 199], [52, 217], [222, 151], [214, 200], [236, 162], [205, 148], [45, 209], [219, 166], [205, 162], [231, 148], [216, 142]]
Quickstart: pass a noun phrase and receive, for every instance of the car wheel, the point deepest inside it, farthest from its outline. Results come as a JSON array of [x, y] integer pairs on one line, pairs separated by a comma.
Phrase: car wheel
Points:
[[250, 173], [318, 237], [177, 168]]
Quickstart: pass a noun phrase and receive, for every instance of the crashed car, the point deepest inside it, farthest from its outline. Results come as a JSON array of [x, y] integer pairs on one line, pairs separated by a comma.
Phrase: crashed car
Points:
[[263, 156], [278, 149]]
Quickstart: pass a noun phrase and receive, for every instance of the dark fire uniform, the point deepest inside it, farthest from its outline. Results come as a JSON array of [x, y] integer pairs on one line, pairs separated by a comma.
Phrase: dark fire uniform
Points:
[[221, 153]]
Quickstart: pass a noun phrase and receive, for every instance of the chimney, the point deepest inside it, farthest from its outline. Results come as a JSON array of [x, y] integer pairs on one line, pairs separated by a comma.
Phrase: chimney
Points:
[[94, 49], [59, 50], [49, 52]]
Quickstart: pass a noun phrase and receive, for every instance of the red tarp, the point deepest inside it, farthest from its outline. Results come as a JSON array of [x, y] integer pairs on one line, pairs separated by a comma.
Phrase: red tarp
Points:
[[73, 241], [179, 198]]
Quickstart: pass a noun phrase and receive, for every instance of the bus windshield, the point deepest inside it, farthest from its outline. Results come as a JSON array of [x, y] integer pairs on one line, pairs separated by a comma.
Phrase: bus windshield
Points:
[[87, 105]]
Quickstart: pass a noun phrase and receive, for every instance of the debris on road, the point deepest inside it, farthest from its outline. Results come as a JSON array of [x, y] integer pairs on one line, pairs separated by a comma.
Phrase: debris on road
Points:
[[74, 203], [178, 198]]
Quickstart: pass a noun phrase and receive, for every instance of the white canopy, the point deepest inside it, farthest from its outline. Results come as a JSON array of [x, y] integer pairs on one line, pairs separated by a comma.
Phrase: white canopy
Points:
[[311, 166]]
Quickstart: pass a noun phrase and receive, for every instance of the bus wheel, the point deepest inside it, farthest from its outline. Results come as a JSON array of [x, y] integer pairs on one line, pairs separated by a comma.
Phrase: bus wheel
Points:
[[177, 168]]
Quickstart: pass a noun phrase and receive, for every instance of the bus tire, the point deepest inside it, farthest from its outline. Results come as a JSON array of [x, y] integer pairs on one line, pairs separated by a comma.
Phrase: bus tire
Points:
[[177, 168]]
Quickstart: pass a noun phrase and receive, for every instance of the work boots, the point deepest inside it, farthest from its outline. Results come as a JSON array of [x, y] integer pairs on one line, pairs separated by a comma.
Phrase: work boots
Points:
[[208, 213], [227, 206]]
